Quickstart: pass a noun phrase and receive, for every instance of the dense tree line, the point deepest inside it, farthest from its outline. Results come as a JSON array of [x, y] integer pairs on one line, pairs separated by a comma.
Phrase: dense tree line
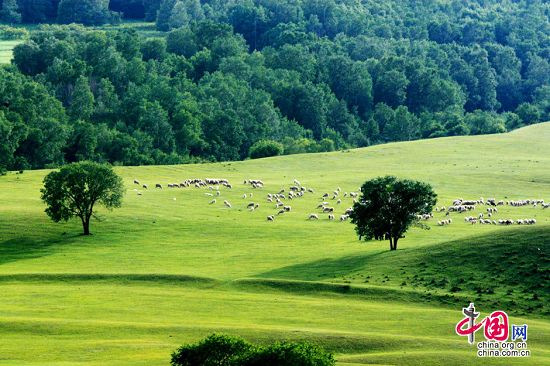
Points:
[[312, 75]]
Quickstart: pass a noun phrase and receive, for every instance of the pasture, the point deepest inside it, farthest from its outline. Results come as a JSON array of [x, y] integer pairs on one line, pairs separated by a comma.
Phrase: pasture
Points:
[[6, 48], [168, 267]]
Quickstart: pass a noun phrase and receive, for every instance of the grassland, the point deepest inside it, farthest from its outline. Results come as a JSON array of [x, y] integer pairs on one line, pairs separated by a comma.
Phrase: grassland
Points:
[[169, 268], [6, 48]]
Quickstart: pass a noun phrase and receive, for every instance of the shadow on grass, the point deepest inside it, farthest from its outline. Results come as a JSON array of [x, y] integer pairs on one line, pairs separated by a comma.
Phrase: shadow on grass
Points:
[[327, 269], [508, 268], [26, 247]]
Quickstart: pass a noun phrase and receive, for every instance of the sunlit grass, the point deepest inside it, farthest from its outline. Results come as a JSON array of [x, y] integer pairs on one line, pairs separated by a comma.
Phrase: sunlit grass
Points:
[[168, 267]]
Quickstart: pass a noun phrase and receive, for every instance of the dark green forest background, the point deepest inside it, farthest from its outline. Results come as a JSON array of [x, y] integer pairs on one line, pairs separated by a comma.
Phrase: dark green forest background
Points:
[[227, 78]]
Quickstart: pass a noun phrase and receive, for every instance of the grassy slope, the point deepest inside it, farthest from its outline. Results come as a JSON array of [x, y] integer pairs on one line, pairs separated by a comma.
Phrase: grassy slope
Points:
[[125, 295]]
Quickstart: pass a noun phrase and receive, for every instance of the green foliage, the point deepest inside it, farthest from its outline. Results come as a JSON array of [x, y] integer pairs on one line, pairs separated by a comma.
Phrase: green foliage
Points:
[[388, 206], [153, 49], [10, 33], [222, 350], [88, 12], [289, 354], [265, 148], [82, 101], [214, 350], [9, 12], [75, 189], [358, 74]]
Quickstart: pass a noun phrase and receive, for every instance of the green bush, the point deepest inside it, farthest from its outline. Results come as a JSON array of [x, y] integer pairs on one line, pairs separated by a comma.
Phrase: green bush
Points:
[[222, 350], [265, 148], [214, 350], [11, 33], [289, 354]]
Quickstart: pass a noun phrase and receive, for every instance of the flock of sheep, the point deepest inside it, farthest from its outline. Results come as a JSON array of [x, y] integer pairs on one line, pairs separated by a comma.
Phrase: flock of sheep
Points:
[[460, 205], [280, 199], [331, 201]]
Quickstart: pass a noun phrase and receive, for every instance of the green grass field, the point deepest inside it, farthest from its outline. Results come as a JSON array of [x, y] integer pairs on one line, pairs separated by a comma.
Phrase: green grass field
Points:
[[168, 268], [6, 48]]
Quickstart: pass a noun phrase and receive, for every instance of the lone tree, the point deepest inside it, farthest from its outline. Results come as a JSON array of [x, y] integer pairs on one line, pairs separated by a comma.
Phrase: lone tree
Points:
[[75, 189], [389, 206]]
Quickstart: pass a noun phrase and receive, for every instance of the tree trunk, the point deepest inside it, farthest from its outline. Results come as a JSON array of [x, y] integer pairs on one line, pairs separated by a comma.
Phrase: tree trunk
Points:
[[391, 243], [86, 225], [395, 243]]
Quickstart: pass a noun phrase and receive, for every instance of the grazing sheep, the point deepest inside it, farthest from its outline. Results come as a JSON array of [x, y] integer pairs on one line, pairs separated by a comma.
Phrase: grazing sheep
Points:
[[328, 209], [331, 217], [145, 186], [244, 196], [139, 193], [212, 202], [158, 186], [281, 212], [313, 217], [271, 218], [209, 194], [227, 204], [136, 182], [287, 208], [344, 217], [339, 201]]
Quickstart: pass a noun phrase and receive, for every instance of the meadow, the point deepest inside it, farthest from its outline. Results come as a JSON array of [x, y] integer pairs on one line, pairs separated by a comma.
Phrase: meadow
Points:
[[6, 48], [169, 268]]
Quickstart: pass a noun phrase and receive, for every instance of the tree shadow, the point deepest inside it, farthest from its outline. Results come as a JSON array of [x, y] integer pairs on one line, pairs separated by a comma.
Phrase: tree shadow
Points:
[[325, 269], [26, 247]]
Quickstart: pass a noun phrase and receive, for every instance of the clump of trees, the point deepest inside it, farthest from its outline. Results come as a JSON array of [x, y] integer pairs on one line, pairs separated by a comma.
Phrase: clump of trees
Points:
[[266, 148], [312, 75], [77, 189], [388, 206], [223, 350]]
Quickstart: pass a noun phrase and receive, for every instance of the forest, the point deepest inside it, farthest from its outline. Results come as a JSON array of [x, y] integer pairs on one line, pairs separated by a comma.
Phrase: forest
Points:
[[229, 80]]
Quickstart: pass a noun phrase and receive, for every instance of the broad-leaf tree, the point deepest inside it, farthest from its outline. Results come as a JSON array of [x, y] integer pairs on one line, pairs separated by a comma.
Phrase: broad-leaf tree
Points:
[[389, 206], [76, 190]]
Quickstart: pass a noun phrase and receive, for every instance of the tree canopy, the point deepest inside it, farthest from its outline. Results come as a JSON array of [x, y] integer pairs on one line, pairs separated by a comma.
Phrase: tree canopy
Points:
[[311, 75], [76, 190], [388, 206]]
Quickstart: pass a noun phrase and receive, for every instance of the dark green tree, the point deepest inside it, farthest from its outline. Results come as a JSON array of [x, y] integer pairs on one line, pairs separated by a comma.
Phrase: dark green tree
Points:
[[76, 190], [388, 206], [82, 101], [88, 12], [9, 13]]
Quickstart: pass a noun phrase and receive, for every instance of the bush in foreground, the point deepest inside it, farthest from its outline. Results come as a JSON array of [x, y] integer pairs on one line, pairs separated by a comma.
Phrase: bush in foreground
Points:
[[222, 350]]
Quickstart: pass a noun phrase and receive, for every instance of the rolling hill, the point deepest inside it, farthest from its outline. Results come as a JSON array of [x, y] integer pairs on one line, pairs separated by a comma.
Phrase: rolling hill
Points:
[[168, 267]]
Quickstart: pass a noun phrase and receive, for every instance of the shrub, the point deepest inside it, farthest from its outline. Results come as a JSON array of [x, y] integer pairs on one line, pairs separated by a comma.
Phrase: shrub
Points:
[[214, 350], [265, 148], [289, 354], [222, 350], [10, 33]]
